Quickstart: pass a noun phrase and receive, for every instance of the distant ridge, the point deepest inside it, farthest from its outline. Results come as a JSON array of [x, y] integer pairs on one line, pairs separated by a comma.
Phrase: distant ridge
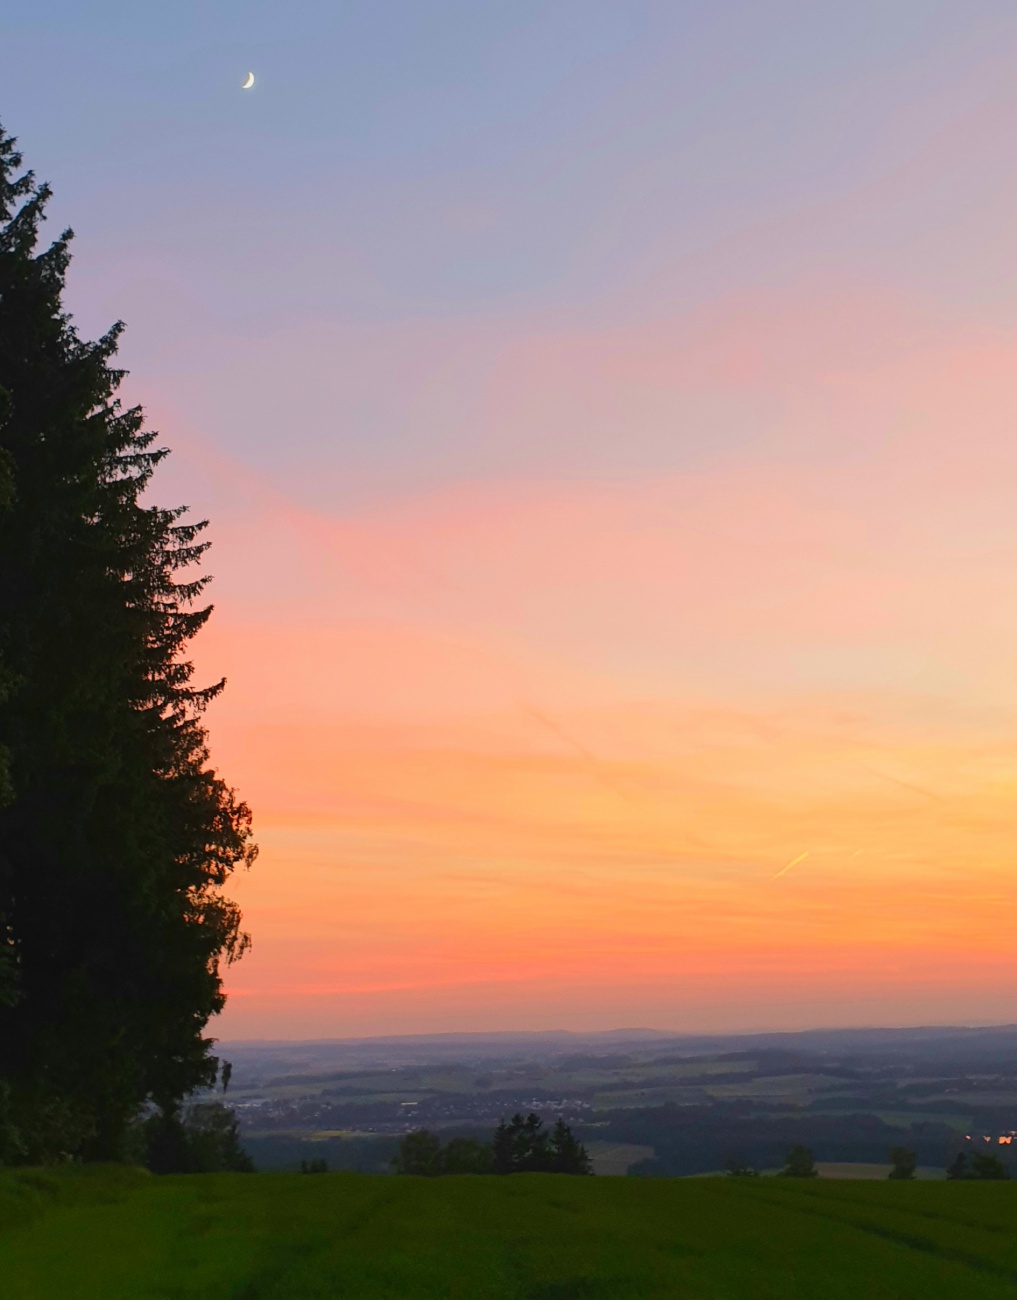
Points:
[[635, 1034], [919, 1045], [500, 1036]]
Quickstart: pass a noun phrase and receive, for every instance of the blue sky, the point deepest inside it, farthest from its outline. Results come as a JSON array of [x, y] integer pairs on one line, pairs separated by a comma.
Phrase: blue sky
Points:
[[580, 143], [565, 164]]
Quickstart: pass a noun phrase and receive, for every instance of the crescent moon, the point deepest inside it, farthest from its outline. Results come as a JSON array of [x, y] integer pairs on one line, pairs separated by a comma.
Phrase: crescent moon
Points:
[[249, 82]]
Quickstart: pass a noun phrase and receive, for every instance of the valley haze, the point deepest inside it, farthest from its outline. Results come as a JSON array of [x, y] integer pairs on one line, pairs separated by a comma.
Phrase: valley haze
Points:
[[644, 1101]]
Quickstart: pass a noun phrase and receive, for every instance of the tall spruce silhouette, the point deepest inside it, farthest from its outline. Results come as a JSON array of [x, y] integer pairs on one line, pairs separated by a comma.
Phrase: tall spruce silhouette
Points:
[[116, 836]]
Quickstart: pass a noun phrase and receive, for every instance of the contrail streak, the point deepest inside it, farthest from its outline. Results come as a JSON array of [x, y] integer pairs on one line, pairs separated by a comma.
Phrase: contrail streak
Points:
[[905, 785], [793, 863], [595, 764], [553, 727]]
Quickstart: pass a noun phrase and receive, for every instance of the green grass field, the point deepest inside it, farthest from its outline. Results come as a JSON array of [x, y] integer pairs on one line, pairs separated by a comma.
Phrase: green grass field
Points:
[[119, 1234]]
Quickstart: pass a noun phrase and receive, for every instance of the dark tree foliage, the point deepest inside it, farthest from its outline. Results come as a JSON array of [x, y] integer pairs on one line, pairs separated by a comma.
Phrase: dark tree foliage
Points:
[[419, 1153], [904, 1162], [520, 1146], [983, 1166], [116, 836], [988, 1166], [466, 1156], [205, 1140], [737, 1168], [958, 1167], [799, 1164], [422, 1153], [7, 967], [568, 1156]]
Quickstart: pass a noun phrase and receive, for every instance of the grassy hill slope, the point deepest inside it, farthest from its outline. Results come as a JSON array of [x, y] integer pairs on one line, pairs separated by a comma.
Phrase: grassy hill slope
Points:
[[121, 1235]]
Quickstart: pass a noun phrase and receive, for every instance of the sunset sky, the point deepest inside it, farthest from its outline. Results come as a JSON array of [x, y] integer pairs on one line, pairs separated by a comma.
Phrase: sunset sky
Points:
[[607, 416]]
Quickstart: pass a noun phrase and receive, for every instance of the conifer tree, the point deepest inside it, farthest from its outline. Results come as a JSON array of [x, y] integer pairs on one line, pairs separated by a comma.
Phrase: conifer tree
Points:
[[116, 836], [522, 1146], [568, 1155]]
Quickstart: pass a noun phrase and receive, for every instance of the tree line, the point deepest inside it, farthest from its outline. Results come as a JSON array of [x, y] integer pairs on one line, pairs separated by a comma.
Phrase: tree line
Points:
[[519, 1146], [903, 1165], [116, 834]]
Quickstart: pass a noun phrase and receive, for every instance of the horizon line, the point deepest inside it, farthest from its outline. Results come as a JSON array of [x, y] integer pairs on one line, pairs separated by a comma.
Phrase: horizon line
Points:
[[679, 1034]]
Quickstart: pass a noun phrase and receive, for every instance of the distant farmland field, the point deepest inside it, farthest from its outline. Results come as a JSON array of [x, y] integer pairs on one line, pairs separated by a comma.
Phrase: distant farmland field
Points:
[[121, 1235]]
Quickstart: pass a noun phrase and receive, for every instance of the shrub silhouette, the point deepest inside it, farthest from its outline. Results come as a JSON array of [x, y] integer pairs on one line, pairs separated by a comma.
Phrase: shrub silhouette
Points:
[[799, 1164], [904, 1162]]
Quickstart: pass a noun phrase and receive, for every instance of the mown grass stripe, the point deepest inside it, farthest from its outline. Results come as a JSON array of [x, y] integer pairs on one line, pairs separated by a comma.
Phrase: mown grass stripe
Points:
[[845, 1197], [924, 1245]]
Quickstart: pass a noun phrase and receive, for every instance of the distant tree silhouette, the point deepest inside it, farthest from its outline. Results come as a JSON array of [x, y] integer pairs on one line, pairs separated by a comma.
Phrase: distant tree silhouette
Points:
[[737, 1168], [467, 1156], [799, 1164], [988, 1166], [523, 1146], [314, 1166], [568, 1155], [519, 1146], [904, 1163], [983, 1166], [418, 1153], [116, 836]]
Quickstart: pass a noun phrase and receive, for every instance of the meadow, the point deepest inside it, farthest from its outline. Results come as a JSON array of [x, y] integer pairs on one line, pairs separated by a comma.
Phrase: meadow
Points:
[[121, 1234]]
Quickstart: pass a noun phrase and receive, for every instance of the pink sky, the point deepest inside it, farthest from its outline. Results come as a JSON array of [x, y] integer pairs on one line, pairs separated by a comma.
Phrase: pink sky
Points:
[[530, 754]]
